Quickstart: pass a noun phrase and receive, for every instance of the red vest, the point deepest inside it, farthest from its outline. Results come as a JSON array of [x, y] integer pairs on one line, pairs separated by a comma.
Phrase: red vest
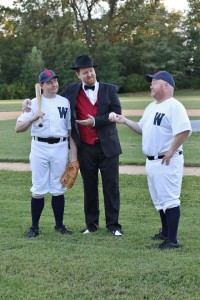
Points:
[[84, 107]]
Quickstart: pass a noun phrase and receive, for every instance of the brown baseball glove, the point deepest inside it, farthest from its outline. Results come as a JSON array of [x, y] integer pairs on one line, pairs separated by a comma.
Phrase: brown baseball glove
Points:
[[69, 176]]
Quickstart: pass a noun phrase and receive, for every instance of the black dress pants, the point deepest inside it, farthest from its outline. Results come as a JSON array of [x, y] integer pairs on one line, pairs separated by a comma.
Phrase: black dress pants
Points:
[[92, 160]]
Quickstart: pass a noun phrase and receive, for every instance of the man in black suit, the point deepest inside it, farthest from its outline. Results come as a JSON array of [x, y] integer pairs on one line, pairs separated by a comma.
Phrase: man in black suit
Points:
[[98, 143]]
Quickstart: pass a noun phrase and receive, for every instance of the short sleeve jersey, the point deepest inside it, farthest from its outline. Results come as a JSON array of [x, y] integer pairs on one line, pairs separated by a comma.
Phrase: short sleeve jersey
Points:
[[160, 123], [57, 118]]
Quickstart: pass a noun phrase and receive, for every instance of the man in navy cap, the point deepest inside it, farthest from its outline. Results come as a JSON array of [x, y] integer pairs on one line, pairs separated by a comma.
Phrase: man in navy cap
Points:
[[164, 127], [49, 150]]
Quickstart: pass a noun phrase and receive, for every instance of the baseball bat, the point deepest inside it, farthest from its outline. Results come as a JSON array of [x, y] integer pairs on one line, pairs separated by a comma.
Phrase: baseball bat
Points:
[[38, 97]]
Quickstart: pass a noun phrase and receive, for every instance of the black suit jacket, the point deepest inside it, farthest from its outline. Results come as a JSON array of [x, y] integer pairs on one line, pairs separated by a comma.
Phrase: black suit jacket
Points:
[[108, 101]]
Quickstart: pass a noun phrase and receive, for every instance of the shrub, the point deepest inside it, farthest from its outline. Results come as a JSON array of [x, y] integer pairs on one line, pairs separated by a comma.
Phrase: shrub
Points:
[[134, 83], [13, 91]]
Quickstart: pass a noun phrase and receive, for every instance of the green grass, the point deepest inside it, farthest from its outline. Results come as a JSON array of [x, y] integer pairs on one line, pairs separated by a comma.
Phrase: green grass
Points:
[[16, 146], [10, 105], [97, 266], [13, 146], [189, 98]]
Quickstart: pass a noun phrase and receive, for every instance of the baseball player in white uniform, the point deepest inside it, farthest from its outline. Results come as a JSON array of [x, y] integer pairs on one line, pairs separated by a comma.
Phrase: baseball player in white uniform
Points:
[[164, 126], [49, 150]]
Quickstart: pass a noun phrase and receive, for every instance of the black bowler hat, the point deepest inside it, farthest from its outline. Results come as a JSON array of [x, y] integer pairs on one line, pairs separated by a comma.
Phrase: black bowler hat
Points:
[[83, 61]]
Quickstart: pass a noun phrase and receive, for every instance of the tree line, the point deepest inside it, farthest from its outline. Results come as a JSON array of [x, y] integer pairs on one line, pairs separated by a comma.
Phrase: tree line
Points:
[[127, 39]]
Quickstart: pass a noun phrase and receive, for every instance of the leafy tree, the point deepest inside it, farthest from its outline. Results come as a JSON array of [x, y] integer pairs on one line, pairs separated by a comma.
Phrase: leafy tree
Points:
[[12, 51], [13, 45], [193, 42], [108, 60], [127, 38], [32, 67], [7, 22], [162, 46], [65, 56]]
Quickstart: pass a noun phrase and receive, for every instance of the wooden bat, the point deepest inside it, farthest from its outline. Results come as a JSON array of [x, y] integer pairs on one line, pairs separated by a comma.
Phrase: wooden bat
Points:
[[38, 97]]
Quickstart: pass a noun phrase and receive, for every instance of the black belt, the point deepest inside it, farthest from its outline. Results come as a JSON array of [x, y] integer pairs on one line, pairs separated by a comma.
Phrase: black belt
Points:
[[49, 140], [160, 156]]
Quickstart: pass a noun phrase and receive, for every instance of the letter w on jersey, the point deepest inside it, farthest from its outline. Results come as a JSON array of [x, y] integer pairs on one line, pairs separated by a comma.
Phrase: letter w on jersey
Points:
[[63, 112], [158, 118]]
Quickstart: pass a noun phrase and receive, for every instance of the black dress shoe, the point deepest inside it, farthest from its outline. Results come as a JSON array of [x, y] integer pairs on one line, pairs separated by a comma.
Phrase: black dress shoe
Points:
[[63, 230], [32, 232], [167, 244]]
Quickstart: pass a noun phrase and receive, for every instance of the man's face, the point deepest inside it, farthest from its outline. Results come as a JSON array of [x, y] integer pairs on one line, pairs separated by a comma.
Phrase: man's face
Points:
[[87, 75], [157, 88], [50, 88]]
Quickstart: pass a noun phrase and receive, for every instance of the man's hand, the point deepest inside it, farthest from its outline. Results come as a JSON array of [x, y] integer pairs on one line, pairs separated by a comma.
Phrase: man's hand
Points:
[[177, 142], [37, 115], [167, 157], [26, 105], [119, 119], [86, 122]]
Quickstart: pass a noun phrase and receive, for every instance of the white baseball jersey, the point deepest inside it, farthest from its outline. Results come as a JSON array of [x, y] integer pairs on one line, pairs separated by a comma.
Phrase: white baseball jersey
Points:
[[48, 161], [160, 123], [57, 118]]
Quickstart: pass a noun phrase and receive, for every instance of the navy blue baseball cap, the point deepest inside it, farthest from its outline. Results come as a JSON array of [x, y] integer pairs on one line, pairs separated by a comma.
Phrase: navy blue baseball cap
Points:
[[47, 75], [164, 75]]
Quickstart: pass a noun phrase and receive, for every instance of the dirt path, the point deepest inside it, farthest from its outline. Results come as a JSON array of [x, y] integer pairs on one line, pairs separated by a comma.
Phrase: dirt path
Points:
[[123, 169], [9, 115], [131, 170], [127, 112], [134, 170], [139, 112]]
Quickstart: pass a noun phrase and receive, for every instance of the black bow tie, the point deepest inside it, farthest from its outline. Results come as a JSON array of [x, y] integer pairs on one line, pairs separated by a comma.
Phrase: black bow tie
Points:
[[87, 87]]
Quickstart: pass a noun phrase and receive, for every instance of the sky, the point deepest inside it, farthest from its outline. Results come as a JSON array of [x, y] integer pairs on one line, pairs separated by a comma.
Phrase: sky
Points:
[[175, 4], [170, 4]]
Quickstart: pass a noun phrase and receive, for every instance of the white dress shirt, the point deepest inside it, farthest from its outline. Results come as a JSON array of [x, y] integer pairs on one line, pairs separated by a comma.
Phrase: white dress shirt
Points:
[[92, 95]]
